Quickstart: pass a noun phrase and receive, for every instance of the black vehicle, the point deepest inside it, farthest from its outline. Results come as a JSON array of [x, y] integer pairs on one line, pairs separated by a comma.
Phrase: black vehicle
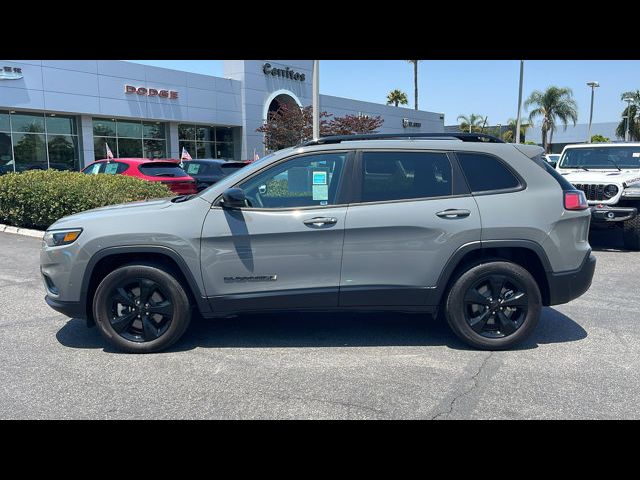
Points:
[[208, 171]]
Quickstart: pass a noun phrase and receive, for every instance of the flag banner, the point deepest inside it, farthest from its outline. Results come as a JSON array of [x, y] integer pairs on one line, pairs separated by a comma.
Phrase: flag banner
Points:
[[109, 153], [185, 155]]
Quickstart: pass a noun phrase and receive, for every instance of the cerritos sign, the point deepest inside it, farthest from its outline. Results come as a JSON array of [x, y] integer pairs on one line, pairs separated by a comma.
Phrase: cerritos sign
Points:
[[283, 72], [10, 73], [151, 92]]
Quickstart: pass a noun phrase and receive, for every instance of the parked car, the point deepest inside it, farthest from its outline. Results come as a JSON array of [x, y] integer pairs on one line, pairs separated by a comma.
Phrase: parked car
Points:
[[552, 158], [609, 175], [482, 231], [165, 171], [207, 171]]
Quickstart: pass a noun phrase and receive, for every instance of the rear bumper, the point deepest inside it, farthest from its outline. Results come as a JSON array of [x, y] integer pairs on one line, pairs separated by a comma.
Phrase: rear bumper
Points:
[[70, 309], [567, 286], [612, 214]]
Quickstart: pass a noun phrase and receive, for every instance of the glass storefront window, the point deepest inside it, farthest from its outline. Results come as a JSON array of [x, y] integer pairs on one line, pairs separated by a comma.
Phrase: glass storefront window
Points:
[[5, 126], [30, 151], [129, 138], [61, 125], [205, 141], [155, 148], [62, 152], [224, 150], [153, 130], [129, 129], [224, 134], [6, 156], [27, 122], [103, 127], [129, 148]]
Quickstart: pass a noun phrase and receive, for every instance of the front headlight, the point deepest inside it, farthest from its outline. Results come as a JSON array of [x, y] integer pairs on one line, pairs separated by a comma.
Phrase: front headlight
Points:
[[610, 191], [631, 192], [57, 238]]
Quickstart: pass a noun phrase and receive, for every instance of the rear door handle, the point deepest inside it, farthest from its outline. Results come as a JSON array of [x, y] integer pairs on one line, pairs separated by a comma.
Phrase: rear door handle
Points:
[[453, 213], [320, 221]]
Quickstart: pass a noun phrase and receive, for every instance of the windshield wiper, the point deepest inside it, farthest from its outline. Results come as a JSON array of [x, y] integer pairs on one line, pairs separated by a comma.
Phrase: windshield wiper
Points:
[[584, 168], [613, 161]]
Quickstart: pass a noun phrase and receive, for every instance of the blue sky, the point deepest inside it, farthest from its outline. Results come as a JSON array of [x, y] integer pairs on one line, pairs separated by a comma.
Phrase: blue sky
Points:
[[454, 87]]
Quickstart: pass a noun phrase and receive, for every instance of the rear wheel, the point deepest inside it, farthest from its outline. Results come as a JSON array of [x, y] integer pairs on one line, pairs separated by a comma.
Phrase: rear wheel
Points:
[[494, 306], [141, 308], [631, 234]]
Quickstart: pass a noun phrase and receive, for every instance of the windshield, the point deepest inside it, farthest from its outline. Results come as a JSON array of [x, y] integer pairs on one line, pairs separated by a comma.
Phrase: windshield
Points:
[[601, 157]]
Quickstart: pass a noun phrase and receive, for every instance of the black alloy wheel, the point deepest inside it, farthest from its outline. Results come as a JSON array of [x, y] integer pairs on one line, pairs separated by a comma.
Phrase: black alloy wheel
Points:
[[140, 310], [496, 306]]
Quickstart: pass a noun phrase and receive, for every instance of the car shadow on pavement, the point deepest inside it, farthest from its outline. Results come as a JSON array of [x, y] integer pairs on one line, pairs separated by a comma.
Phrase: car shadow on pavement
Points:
[[316, 329]]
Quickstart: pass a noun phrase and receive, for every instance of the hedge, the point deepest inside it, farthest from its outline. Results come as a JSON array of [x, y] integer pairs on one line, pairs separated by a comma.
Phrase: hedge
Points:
[[37, 198]]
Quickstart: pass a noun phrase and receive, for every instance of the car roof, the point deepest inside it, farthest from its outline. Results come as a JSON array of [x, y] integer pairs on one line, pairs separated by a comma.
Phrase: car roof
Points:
[[137, 160], [207, 160], [604, 145]]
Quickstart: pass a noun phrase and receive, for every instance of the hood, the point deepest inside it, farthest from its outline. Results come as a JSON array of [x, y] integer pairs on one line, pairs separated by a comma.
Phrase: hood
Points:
[[79, 218], [627, 177]]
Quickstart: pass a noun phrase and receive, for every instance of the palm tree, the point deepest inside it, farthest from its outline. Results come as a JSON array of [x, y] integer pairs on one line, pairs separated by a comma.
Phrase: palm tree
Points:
[[415, 81], [553, 104], [512, 124], [397, 97], [471, 123], [631, 111]]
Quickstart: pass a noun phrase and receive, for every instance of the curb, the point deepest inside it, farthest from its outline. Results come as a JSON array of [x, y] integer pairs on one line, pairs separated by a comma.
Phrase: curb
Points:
[[21, 231]]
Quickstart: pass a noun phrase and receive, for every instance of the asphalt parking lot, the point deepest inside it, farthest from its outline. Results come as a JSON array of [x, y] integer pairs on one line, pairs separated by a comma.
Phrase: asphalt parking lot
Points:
[[583, 361]]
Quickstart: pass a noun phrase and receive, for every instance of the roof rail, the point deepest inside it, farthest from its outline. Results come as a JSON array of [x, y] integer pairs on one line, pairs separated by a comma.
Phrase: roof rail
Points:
[[465, 137]]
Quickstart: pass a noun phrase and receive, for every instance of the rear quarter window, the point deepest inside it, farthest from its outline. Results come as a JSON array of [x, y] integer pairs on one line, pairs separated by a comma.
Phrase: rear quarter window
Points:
[[486, 173]]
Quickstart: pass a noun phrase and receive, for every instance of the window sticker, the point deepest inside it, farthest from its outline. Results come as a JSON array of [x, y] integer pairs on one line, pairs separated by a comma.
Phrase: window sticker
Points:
[[320, 192], [193, 168], [111, 168], [636, 154], [319, 178]]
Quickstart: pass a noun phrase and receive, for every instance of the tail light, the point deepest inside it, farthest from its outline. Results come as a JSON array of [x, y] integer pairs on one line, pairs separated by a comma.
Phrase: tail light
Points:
[[575, 200]]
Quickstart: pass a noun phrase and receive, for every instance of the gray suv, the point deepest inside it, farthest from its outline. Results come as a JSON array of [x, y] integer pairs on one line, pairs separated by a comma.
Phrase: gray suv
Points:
[[483, 232]]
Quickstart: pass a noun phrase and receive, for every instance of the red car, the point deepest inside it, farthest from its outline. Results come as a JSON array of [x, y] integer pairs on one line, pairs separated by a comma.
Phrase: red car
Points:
[[165, 171]]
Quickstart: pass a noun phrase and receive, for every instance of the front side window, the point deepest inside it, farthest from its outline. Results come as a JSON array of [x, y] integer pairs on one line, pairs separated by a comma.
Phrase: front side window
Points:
[[486, 173], [306, 181], [405, 175]]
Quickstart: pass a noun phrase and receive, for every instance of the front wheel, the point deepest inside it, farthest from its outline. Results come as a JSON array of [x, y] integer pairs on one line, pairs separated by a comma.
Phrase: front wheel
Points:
[[494, 306], [141, 308]]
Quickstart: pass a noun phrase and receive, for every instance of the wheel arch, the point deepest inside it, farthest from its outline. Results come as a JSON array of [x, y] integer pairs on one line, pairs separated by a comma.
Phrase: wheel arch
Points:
[[108, 259], [525, 253]]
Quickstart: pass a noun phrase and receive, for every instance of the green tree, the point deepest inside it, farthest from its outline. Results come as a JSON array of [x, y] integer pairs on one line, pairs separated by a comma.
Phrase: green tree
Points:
[[599, 139], [471, 123], [415, 81], [397, 97], [631, 111], [553, 105]]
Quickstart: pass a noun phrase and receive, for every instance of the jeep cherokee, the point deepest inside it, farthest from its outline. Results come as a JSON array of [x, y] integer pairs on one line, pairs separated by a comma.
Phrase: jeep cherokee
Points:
[[465, 225]]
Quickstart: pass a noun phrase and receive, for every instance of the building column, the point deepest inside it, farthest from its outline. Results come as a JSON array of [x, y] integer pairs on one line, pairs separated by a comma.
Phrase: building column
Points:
[[86, 140], [172, 139]]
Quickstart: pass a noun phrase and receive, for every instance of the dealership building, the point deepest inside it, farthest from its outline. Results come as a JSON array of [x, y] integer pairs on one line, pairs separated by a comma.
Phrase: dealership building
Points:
[[62, 113]]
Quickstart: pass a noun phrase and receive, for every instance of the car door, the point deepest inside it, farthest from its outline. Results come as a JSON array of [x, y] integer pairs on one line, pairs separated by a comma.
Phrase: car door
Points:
[[412, 212], [285, 248]]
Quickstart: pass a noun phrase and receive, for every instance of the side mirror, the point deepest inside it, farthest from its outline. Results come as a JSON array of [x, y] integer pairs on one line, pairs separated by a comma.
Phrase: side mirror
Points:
[[553, 164], [234, 198]]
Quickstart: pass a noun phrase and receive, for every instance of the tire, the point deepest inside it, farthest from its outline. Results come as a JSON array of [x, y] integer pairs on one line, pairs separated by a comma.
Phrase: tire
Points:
[[505, 324], [156, 324], [631, 234]]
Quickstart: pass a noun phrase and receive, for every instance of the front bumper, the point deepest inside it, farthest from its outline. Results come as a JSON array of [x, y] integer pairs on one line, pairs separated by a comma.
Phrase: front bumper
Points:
[[567, 286], [70, 309], [604, 213]]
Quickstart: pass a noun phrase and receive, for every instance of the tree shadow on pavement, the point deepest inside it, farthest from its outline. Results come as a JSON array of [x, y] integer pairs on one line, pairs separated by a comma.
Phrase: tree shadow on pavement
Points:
[[317, 329]]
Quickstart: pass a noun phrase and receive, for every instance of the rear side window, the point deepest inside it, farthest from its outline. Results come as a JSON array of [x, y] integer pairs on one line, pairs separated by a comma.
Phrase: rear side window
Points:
[[156, 169], [405, 175], [486, 173]]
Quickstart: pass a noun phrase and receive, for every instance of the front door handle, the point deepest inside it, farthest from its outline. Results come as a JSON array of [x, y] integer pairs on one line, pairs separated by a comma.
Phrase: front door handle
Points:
[[320, 221], [453, 213]]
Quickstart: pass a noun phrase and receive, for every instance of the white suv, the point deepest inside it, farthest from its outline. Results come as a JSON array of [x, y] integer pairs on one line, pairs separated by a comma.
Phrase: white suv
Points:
[[609, 175]]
